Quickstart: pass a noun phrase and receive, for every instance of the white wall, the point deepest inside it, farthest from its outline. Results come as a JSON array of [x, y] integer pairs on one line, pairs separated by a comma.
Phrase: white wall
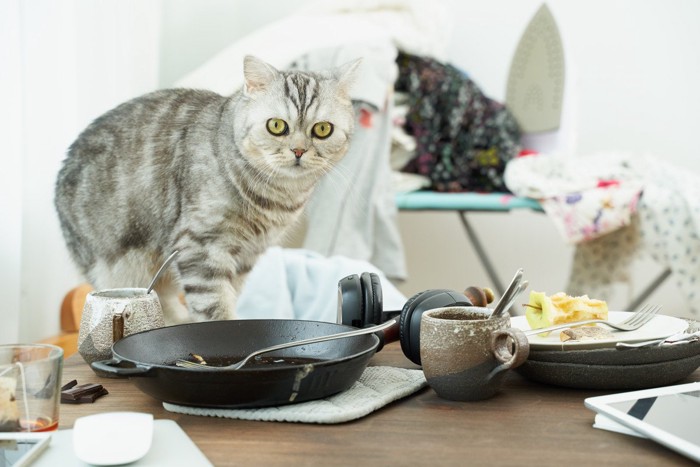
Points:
[[70, 61], [637, 67]]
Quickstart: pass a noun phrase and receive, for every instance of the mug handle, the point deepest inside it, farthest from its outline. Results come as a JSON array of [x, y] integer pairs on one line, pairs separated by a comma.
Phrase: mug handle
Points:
[[511, 353], [117, 327]]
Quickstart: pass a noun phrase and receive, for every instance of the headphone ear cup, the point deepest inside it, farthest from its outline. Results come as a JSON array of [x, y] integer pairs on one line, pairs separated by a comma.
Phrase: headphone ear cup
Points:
[[350, 300], [372, 299], [409, 322], [405, 316]]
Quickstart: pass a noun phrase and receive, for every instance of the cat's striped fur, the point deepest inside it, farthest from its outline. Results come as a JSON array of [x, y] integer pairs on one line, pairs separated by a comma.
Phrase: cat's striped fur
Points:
[[200, 173]]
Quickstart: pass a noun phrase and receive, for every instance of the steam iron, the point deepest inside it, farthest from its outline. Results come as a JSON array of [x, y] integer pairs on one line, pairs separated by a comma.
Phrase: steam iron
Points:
[[535, 90]]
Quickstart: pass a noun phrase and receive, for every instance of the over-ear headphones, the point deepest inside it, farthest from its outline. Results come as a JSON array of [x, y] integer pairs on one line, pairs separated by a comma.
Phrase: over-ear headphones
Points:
[[360, 305]]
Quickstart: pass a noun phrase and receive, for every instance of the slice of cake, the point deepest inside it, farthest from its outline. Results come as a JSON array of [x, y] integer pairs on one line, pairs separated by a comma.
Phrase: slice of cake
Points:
[[543, 310]]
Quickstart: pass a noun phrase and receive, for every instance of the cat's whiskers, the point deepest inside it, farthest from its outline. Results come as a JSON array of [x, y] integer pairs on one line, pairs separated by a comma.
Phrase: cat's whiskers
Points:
[[356, 199], [339, 172]]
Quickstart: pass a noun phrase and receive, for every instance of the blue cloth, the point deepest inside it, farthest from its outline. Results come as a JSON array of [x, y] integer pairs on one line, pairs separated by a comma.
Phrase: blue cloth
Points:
[[301, 284]]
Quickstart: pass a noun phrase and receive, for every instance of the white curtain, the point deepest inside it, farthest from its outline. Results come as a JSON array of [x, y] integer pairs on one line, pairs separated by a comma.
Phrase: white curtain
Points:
[[63, 63]]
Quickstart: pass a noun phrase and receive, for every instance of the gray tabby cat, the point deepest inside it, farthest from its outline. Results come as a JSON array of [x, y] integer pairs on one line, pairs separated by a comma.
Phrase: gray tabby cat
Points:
[[218, 178]]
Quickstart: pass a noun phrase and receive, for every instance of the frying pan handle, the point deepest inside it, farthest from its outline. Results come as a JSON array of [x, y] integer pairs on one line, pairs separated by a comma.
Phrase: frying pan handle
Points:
[[391, 334], [110, 367]]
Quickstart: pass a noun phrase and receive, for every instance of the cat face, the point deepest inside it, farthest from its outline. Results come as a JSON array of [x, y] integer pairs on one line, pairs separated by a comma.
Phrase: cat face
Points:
[[295, 124]]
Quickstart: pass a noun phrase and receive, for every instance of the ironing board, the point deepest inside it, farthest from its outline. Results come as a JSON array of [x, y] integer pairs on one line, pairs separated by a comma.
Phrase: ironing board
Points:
[[463, 204]]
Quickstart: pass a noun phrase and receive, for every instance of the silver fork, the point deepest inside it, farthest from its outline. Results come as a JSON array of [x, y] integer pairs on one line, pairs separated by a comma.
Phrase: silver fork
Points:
[[634, 321]]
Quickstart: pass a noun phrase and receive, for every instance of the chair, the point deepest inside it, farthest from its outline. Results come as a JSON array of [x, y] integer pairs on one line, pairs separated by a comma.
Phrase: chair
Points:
[[71, 311]]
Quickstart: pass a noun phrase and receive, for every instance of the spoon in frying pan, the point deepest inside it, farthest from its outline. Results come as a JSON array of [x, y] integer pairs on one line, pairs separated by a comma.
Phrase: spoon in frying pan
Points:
[[235, 366], [160, 271]]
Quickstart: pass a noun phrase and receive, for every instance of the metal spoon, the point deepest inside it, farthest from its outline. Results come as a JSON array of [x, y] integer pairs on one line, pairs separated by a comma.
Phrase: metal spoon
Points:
[[521, 288], [507, 297], [160, 271], [312, 340]]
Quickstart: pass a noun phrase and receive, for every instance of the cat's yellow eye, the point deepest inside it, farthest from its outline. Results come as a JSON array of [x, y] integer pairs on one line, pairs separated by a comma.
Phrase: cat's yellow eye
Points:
[[277, 126], [322, 130]]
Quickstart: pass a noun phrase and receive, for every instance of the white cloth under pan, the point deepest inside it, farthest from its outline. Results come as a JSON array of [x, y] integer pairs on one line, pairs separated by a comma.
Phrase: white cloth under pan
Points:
[[376, 387]]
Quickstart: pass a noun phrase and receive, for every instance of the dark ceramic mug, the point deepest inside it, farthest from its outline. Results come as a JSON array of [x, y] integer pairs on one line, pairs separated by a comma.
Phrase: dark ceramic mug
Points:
[[465, 354]]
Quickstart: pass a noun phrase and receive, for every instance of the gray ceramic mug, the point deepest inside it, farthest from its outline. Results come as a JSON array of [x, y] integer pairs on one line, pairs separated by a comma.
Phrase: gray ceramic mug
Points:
[[111, 314], [465, 355]]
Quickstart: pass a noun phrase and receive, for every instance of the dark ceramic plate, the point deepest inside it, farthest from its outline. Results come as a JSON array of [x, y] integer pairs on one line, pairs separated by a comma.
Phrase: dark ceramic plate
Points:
[[584, 376], [611, 368], [613, 356]]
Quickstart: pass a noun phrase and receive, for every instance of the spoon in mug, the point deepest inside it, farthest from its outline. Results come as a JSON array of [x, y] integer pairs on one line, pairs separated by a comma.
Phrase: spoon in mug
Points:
[[160, 271], [520, 289], [509, 295]]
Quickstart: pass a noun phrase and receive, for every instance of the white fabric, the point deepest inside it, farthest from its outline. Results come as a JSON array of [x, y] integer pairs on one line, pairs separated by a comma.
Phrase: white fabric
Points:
[[301, 284], [420, 27], [376, 387]]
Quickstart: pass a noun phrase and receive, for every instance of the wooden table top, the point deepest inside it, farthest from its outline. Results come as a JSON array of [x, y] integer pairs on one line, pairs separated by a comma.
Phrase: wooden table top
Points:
[[526, 424]]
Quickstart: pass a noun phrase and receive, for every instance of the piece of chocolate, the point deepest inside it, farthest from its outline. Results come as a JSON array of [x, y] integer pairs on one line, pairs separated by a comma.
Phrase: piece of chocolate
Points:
[[86, 399], [69, 385], [83, 393], [81, 390]]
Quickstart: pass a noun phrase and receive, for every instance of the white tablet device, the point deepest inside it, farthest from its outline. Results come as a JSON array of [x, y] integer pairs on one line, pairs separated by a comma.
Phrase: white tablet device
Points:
[[20, 449], [669, 415]]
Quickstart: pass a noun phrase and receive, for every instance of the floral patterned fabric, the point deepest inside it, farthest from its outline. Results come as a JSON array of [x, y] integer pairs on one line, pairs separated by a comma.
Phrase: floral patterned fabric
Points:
[[665, 226], [463, 138], [583, 200]]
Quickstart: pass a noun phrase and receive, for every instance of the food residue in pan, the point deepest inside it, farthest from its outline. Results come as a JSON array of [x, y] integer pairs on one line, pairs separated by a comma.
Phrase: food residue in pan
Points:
[[257, 361]]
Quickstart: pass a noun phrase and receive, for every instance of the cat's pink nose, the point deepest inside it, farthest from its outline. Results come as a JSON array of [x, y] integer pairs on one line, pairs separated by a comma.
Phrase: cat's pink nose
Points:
[[298, 152]]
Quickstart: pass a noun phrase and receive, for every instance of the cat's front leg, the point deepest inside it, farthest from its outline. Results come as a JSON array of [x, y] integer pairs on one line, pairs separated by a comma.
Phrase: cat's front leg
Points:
[[209, 285], [169, 291]]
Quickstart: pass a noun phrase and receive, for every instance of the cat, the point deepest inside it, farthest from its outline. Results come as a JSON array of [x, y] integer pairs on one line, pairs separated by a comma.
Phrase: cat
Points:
[[218, 179]]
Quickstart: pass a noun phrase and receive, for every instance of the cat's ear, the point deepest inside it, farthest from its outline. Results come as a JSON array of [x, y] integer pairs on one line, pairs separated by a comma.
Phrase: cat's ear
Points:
[[347, 74], [258, 74]]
